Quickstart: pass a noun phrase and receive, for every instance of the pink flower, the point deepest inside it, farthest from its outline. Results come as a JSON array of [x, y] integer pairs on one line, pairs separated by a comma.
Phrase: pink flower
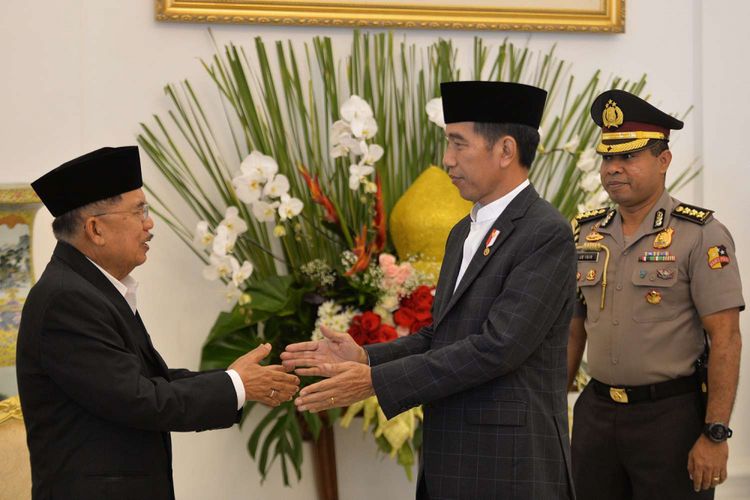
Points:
[[394, 274]]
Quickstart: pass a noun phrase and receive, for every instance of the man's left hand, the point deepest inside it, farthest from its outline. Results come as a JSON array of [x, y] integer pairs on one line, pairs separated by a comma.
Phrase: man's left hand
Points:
[[707, 463], [349, 382]]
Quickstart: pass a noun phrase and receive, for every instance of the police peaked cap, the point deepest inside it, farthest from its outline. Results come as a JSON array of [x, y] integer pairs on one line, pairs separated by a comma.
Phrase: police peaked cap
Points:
[[629, 123], [493, 102], [94, 176]]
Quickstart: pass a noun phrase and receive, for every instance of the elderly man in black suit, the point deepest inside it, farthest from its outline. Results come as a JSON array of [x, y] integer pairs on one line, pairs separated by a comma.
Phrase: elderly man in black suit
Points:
[[490, 370], [98, 400]]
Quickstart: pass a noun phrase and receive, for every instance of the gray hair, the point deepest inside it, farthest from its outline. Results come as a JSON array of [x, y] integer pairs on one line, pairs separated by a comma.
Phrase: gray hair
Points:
[[66, 226]]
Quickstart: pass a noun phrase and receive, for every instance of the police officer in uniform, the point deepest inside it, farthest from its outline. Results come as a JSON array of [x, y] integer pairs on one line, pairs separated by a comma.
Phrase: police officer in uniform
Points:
[[654, 274]]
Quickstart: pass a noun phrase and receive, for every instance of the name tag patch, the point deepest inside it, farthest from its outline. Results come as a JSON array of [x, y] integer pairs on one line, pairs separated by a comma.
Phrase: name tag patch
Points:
[[588, 256]]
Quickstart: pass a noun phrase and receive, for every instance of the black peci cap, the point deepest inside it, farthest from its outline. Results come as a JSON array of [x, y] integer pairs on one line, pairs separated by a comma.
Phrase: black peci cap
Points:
[[629, 123], [493, 102], [94, 176]]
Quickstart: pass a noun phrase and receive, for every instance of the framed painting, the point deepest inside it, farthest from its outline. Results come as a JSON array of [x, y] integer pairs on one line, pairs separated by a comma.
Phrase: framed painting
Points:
[[599, 16], [18, 207]]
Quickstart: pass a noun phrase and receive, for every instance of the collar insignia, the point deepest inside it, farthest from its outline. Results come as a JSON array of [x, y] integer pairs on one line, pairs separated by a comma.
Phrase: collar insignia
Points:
[[659, 218], [608, 219]]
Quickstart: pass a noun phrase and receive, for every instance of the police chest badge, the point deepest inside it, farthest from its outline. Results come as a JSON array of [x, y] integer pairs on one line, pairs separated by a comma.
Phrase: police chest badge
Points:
[[653, 297], [664, 238], [718, 257]]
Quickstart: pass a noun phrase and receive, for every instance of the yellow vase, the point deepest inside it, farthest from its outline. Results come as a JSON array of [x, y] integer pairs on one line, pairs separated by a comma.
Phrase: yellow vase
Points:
[[423, 217]]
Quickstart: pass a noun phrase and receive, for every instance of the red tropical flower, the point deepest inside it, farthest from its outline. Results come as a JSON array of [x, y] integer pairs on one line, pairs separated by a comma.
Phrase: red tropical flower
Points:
[[316, 193], [362, 251], [379, 221]]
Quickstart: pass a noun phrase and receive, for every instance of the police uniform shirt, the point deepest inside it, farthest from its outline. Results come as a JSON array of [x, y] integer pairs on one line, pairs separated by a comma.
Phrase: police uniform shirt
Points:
[[660, 282]]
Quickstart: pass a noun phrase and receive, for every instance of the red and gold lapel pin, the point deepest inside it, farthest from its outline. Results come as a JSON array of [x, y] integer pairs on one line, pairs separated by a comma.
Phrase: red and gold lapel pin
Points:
[[490, 241]]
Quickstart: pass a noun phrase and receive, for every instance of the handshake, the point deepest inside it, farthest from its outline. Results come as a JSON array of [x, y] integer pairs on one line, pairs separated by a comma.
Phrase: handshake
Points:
[[337, 358]]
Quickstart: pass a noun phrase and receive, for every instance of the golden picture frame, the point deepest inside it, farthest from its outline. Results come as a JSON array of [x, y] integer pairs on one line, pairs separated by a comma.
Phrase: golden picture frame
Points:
[[596, 16]]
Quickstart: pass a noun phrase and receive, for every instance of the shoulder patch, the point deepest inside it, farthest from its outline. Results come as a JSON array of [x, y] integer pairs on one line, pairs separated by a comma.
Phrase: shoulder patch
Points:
[[597, 213], [692, 213]]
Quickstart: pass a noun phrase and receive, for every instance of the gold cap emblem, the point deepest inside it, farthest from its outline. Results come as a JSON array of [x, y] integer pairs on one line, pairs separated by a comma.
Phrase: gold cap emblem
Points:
[[612, 115]]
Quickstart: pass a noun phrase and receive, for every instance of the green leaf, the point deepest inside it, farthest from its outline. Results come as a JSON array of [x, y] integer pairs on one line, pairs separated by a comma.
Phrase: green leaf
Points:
[[252, 443]]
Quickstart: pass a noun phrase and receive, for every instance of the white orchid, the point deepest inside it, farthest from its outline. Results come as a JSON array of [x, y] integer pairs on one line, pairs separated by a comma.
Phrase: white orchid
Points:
[[277, 187], [240, 273], [260, 163], [371, 153], [364, 128], [434, 109], [289, 207], [224, 241], [219, 267], [587, 162], [340, 128], [572, 145], [355, 108], [264, 211], [203, 235], [233, 222], [344, 145], [249, 187], [358, 173], [232, 293], [590, 181]]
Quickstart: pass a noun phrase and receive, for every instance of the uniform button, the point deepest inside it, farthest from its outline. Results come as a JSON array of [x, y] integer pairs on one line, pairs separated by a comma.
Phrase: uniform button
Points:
[[652, 278], [625, 252], [615, 361], [619, 286], [615, 322]]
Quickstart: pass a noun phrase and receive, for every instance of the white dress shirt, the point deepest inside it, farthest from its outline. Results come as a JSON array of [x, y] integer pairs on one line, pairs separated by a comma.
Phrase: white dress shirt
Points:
[[128, 288], [482, 218]]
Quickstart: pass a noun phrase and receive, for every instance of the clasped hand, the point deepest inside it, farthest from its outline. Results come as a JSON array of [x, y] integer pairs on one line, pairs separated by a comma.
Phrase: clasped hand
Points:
[[271, 384], [336, 357]]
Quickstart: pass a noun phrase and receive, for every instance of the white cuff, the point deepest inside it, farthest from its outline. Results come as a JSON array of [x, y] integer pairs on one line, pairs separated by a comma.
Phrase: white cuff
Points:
[[239, 387]]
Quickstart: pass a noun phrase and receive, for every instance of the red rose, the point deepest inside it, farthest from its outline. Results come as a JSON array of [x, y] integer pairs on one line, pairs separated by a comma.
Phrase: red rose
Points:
[[355, 330], [387, 333], [367, 328], [422, 297], [370, 321], [404, 316]]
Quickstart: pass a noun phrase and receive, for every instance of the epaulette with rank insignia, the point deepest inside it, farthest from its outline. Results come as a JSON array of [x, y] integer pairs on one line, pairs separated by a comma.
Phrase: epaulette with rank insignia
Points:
[[692, 213], [597, 213]]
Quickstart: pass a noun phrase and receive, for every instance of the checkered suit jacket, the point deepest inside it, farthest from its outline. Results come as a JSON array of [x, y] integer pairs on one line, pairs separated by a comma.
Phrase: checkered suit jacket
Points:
[[491, 369]]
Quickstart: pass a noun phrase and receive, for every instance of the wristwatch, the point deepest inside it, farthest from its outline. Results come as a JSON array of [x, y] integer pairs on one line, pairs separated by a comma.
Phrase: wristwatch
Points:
[[717, 432]]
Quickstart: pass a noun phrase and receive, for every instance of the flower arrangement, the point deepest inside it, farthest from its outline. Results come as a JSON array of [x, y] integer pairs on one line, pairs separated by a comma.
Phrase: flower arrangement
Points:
[[291, 198]]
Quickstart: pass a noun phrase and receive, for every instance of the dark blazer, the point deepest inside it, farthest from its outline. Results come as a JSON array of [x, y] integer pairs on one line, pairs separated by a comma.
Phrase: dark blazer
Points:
[[97, 399], [491, 369]]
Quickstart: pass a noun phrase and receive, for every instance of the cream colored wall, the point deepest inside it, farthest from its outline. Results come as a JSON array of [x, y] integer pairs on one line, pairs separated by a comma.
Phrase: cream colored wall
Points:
[[81, 74]]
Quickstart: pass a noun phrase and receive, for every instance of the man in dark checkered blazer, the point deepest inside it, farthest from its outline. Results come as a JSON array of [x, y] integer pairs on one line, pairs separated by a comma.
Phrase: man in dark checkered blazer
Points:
[[490, 371]]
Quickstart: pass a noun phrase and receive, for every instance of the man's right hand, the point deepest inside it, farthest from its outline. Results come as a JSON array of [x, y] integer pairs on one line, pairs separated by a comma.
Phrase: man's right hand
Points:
[[270, 385], [336, 347]]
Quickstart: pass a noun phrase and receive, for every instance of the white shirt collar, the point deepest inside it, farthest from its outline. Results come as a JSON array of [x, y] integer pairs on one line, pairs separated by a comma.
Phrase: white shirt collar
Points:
[[127, 287], [492, 210]]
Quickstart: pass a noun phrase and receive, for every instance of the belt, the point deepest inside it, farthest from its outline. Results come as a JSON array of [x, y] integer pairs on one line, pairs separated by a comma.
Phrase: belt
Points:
[[653, 392]]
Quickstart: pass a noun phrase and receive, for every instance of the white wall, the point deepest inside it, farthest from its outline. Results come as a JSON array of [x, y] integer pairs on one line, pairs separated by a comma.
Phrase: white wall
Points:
[[81, 74], [725, 80]]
